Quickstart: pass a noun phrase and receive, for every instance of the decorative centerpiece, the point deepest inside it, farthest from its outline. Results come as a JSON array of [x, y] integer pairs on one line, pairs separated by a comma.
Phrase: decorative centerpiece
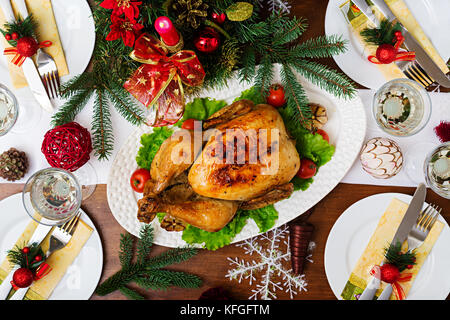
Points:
[[381, 158]]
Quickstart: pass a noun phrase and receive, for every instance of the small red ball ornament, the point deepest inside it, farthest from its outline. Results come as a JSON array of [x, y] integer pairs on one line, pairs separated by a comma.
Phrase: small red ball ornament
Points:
[[38, 258], [26, 250], [67, 146], [27, 46], [23, 278], [14, 36], [207, 41], [386, 53], [389, 273], [8, 37], [218, 17]]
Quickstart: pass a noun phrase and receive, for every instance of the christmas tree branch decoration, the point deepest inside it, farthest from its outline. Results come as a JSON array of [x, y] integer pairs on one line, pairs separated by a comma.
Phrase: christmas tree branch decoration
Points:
[[230, 38], [148, 272]]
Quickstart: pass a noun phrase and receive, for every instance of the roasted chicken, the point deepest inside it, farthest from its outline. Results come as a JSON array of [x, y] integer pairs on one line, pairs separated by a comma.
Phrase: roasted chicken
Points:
[[247, 162]]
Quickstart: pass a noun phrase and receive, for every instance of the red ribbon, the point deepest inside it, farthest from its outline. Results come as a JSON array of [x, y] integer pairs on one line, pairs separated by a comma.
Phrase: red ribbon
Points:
[[19, 59], [43, 270], [159, 80], [396, 286], [400, 56]]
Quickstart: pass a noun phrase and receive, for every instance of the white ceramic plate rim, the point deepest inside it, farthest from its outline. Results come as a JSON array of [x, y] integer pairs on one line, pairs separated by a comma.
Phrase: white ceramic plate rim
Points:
[[431, 15], [87, 264], [350, 119], [432, 281]]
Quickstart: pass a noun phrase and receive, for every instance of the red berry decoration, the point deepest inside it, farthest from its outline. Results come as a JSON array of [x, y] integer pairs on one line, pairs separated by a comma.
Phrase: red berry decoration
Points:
[[218, 17], [207, 41], [38, 258], [389, 273], [27, 46], [14, 36], [67, 146], [26, 250], [8, 37], [23, 277]]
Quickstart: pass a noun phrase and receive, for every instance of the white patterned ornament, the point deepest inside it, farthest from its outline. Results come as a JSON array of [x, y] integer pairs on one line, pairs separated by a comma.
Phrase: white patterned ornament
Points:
[[381, 158]]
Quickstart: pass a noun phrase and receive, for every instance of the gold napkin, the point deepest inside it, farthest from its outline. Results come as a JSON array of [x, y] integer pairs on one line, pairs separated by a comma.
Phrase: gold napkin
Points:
[[42, 11], [59, 261], [358, 21], [374, 252]]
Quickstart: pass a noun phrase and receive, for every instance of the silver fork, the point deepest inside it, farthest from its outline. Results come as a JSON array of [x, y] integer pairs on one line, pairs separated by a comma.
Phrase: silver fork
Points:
[[59, 238], [415, 72], [417, 236], [49, 73]]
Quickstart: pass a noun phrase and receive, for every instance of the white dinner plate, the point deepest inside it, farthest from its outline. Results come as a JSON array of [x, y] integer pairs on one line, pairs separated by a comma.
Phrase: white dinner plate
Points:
[[346, 127], [77, 33], [432, 15], [83, 274], [351, 234]]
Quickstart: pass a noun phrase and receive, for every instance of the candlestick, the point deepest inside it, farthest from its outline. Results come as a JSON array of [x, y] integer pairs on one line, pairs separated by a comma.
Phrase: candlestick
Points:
[[169, 35]]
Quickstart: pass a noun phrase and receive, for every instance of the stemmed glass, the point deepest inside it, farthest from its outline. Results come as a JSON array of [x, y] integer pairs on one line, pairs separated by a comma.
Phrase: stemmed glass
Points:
[[437, 170], [14, 117], [52, 196]]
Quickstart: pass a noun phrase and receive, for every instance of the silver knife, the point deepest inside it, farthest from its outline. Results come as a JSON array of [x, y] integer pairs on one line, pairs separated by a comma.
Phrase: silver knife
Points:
[[39, 234], [408, 221], [422, 57], [29, 68]]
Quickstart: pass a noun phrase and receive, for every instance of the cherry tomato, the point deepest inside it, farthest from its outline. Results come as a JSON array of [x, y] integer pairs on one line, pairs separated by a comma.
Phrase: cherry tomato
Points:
[[276, 96], [188, 124], [324, 135], [307, 169], [138, 179]]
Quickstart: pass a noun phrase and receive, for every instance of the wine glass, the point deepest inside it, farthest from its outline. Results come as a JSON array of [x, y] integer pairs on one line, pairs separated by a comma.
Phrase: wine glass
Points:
[[52, 196], [87, 177], [437, 169], [401, 107]]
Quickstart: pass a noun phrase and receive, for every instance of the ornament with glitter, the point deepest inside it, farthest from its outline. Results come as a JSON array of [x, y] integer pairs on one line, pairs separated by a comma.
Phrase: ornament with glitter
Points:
[[270, 271]]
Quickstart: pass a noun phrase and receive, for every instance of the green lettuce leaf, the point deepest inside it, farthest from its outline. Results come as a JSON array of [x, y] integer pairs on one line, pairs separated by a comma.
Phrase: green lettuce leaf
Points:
[[201, 109], [150, 143], [252, 94]]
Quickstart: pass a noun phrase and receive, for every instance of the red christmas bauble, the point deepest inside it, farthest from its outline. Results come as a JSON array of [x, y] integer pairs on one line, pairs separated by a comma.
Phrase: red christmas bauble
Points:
[[25, 250], [207, 41], [8, 37], [389, 273], [67, 146], [27, 46], [23, 277], [15, 36], [386, 53], [218, 17]]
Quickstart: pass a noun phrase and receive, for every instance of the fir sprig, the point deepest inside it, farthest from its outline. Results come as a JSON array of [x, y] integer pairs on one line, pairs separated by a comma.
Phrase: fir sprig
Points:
[[395, 256], [384, 34], [147, 272], [23, 27]]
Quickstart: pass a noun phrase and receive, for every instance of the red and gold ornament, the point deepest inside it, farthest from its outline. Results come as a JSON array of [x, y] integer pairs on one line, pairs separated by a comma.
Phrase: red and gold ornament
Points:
[[387, 53], [207, 41], [26, 47], [159, 80]]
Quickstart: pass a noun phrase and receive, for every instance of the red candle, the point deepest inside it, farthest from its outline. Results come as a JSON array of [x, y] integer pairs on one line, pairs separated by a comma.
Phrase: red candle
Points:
[[167, 31]]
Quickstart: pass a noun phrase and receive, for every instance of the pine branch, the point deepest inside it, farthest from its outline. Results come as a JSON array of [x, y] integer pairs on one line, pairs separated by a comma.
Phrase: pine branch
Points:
[[145, 243], [124, 104], [84, 81], [296, 99], [247, 72], [71, 108], [326, 78], [170, 257], [131, 294], [290, 31], [174, 278], [264, 75], [102, 129], [320, 47], [126, 250], [384, 34]]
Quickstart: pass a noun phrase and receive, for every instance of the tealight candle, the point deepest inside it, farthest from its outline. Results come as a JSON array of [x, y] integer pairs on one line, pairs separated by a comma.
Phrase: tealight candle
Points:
[[169, 35]]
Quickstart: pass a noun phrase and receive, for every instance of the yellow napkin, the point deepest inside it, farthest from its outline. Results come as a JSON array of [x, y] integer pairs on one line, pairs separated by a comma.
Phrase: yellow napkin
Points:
[[374, 252], [359, 21], [59, 261], [42, 11]]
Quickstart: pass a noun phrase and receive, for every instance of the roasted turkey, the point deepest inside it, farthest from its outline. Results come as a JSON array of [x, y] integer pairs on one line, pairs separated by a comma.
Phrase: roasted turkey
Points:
[[247, 162]]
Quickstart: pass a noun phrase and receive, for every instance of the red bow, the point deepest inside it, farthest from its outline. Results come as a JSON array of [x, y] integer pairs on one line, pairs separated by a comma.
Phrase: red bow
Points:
[[160, 79], [396, 286], [19, 59]]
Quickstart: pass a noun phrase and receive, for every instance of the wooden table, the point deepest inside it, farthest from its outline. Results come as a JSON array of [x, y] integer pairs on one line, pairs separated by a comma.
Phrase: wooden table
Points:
[[213, 266]]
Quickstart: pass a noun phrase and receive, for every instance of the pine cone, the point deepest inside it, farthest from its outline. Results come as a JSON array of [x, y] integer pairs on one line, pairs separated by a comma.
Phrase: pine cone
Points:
[[190, 12], [13, 164], [299, 237]]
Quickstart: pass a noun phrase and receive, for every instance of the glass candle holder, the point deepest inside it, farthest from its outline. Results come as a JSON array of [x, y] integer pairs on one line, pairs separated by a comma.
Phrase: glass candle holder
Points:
[[401, 107]]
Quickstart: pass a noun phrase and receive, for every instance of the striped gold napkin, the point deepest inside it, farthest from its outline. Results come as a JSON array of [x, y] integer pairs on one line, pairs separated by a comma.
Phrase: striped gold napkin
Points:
[[358, 22], [374, 252], [47, 29], [59, 261]]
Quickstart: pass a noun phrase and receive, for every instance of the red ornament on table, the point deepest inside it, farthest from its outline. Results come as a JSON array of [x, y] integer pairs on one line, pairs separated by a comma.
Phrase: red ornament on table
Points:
[[387, 53], [22, 278], [207, 41], [26, 47], [67, 146], [389, 273], [442, 131], [169, 35]]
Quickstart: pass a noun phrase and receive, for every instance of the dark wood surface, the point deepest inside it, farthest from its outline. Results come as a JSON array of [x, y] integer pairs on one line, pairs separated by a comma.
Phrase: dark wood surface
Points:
[[213, 266]]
